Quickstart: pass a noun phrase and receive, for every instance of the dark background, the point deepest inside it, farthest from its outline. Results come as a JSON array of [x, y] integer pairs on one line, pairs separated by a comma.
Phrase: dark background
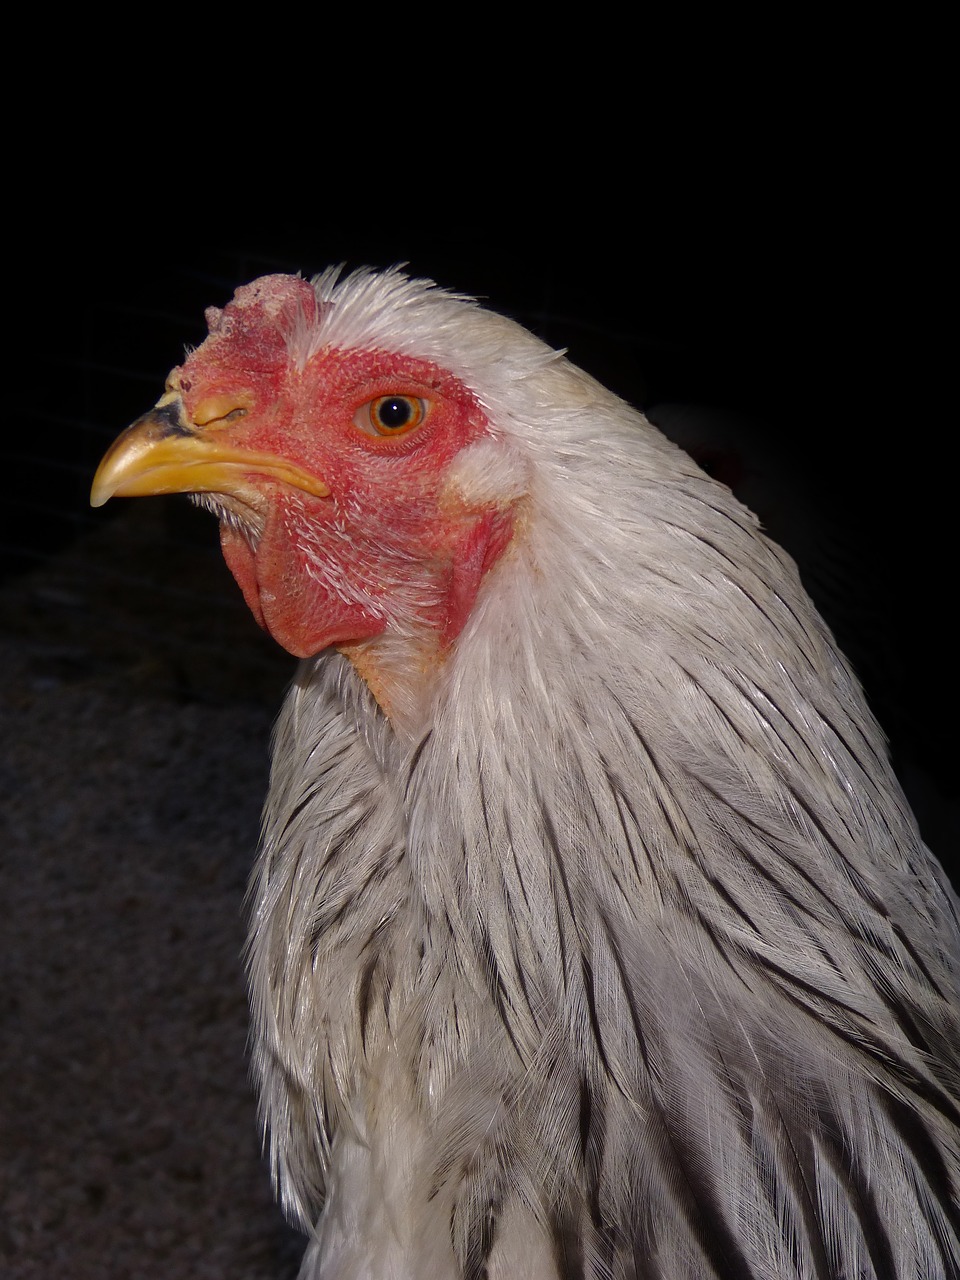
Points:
[[807, 303], [782, 259]]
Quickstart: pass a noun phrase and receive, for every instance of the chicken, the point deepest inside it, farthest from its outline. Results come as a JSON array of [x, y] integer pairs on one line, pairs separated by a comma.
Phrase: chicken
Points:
[[591, 933]]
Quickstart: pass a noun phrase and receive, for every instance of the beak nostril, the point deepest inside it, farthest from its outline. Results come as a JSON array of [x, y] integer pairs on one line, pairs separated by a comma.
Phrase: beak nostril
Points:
[[219, 408]]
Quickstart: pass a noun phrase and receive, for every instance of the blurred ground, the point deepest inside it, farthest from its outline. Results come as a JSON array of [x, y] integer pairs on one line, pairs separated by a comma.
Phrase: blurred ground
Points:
[[134, 761]]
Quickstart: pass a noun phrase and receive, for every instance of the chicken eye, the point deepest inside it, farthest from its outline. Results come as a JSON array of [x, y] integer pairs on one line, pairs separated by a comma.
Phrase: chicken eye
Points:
[[390, 415]]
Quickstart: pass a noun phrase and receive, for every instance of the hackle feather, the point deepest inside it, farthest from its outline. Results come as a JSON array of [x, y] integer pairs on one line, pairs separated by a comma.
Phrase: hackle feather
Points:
[[620, 955]]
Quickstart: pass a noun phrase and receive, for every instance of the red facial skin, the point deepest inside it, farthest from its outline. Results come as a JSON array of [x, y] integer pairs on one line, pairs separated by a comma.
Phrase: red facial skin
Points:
[[388, 533]]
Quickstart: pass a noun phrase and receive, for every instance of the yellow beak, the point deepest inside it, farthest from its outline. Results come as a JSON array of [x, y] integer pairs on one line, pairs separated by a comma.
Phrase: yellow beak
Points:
[[163, 453]]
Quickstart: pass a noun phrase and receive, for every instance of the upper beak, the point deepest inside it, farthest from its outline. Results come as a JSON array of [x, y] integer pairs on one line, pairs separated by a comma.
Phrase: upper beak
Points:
[[164, 452]]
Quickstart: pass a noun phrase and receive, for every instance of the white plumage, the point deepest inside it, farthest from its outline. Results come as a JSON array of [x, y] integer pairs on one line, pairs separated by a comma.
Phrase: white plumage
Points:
[[610, 948]]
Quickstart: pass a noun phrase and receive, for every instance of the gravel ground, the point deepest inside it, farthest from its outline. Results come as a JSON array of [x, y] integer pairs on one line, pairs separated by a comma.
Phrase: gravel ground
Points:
[[135, 724]]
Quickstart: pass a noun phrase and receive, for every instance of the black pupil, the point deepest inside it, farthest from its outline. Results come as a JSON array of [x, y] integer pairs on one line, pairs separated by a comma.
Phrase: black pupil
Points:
[[394, 412]]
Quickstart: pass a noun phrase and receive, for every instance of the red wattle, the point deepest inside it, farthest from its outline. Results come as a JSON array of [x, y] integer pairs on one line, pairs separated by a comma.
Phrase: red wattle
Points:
[[297, 611]]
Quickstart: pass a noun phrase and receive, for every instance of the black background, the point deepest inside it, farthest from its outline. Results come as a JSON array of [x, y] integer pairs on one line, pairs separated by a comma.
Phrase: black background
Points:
[[801, 287]]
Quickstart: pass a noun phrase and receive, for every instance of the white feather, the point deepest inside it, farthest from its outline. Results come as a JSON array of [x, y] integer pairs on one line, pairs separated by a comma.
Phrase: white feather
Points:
[[628, 959]]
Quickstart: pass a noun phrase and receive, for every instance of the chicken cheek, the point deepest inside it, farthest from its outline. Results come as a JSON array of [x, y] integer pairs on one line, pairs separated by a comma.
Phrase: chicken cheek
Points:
[[301, 616]]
